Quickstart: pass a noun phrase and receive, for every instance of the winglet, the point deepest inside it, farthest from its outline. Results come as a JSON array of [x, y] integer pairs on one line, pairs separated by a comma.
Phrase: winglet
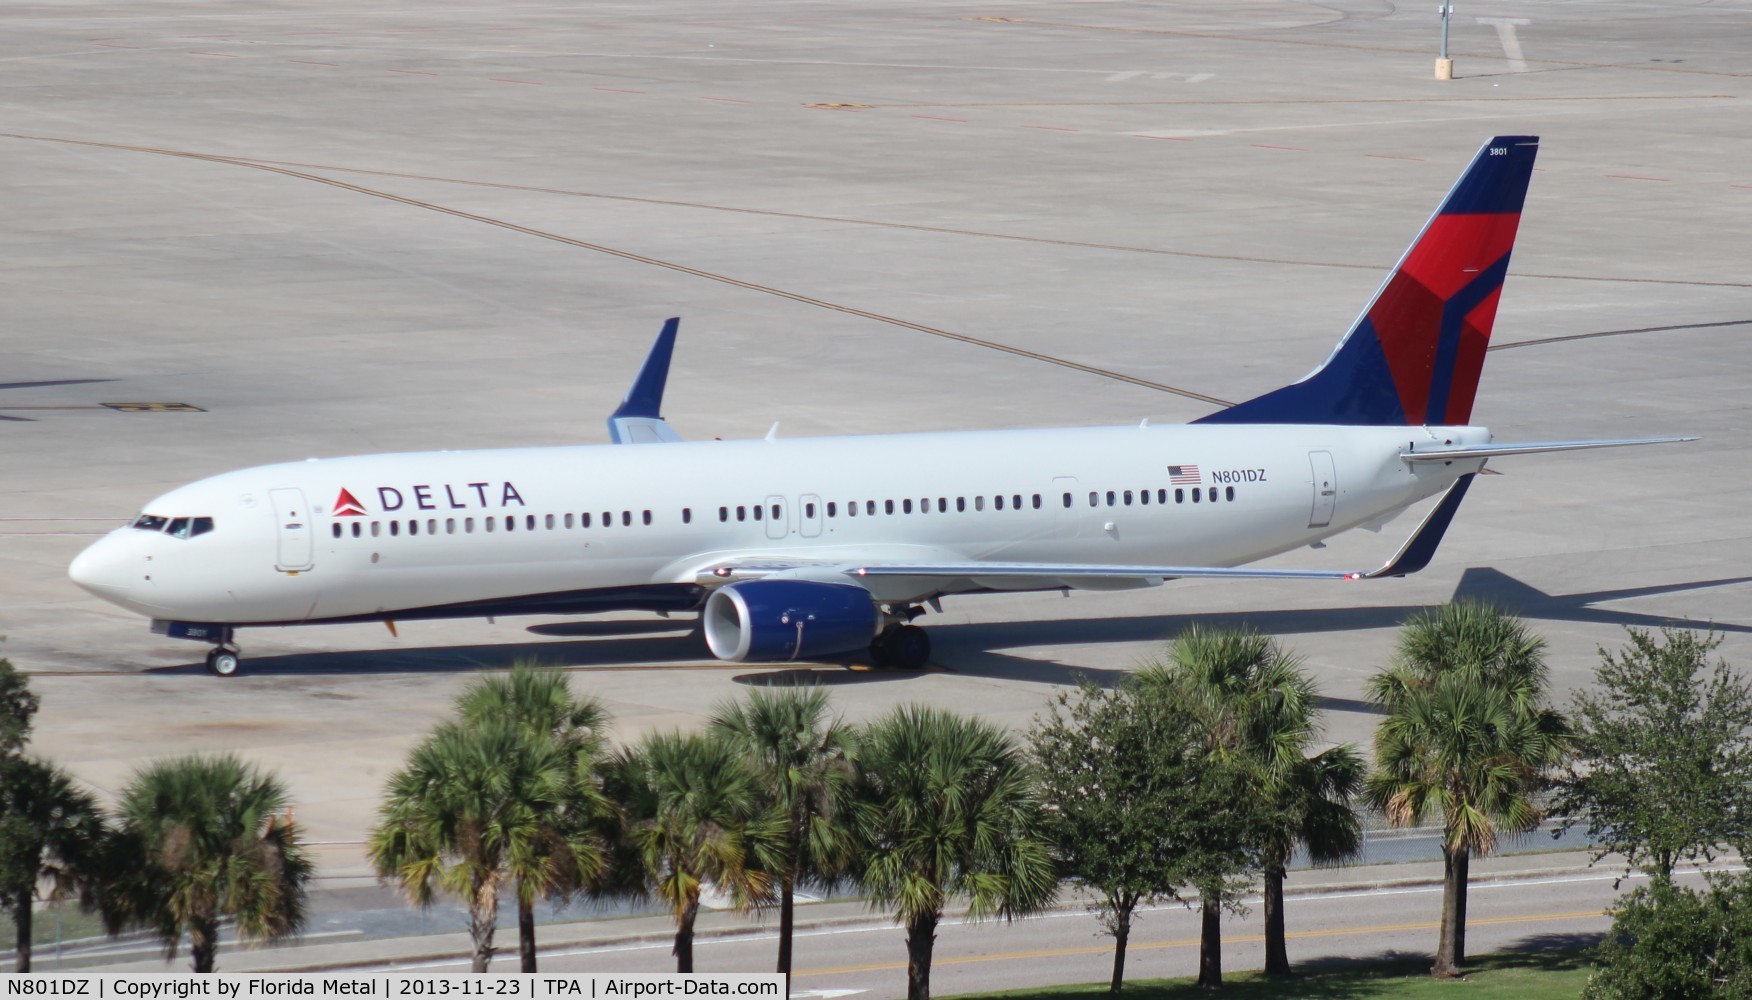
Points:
[[1420, 548], [639, 419]]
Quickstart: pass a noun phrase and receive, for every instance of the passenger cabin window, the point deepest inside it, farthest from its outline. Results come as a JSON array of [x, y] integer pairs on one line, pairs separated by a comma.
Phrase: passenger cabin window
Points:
[[1228, 493], [584, 520], [468, 525], [530, 523], [645, 516], [979, 503], [741, 512], [337, 530], [998, 502], [550, 522], [906, 506], [395, 527], [510, 523], [870, 507], [809, 510], [355, 529], [376, 529], [687, 515], [1094, 498], [413, 527], [888, 506], [1067, 501], [1213, 494], [1179, 496], [723, 513], [832, 508], [1162, 495], [942, 505], [568, 520], [776, 512], [759, 511], [626, 518]]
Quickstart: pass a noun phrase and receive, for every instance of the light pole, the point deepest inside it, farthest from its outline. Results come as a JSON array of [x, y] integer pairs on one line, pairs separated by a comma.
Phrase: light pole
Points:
[[1444, 65]]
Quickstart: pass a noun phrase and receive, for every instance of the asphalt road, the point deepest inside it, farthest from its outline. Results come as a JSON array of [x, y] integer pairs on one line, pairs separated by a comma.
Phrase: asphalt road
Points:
[[1532, 914]]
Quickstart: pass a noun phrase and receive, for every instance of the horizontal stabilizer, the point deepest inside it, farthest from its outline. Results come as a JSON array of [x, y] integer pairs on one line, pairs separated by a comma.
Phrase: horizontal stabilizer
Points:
[[639, 419], [1414, 555], [1446, 454]]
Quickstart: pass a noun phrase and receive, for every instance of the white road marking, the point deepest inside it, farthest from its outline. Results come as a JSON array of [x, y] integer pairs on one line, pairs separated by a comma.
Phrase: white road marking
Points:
[[1505, 29]]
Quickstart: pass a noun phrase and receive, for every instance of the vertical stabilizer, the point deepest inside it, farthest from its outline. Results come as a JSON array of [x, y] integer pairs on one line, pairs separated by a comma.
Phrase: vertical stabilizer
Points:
[[1414, 355]]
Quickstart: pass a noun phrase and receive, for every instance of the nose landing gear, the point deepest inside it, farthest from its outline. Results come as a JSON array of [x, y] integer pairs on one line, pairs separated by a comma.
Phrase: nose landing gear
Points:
[[223, 661]]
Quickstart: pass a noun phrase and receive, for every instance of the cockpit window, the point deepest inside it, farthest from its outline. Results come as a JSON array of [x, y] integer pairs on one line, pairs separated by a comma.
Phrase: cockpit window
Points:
[[175, 527]]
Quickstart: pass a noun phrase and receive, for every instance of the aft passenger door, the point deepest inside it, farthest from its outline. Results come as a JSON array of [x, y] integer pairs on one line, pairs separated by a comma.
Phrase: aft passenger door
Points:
[[293, 529], [1325, 489]]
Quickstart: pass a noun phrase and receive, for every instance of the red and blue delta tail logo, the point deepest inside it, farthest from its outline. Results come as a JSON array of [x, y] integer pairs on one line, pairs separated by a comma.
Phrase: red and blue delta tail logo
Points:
[[347, 505], [1415, 354]]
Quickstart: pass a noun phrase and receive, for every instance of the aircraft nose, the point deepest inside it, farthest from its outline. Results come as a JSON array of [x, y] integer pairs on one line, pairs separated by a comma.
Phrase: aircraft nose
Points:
[[100, 569]]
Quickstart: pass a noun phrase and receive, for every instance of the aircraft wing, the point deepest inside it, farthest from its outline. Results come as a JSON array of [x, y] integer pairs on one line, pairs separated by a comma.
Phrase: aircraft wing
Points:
[[639, 419], [1413, 556]]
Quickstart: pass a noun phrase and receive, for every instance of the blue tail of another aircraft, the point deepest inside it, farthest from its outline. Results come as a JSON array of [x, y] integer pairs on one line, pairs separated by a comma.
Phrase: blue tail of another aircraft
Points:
[[1414, 356]]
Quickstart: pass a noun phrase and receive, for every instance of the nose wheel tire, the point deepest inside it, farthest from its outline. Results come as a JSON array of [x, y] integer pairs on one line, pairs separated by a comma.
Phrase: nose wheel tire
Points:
[[907, 647], [223, 662]]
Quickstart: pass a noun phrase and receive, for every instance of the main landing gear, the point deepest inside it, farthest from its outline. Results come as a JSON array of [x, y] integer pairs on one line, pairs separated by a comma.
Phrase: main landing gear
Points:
[[223, 661], [902, 645]]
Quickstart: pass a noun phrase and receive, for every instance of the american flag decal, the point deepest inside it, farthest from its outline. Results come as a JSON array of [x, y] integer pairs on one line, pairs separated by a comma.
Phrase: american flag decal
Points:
[[1183, 475]]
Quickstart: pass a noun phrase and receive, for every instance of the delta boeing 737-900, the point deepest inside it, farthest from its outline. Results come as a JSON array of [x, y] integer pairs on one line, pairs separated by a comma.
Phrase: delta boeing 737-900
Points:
[[811, 548]]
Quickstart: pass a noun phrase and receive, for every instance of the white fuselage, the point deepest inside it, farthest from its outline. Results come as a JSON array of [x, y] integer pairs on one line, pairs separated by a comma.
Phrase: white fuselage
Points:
[[442, 534]]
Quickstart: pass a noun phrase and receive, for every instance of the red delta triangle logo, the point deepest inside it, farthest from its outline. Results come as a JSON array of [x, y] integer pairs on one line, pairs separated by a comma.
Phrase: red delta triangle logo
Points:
[[347, 505]]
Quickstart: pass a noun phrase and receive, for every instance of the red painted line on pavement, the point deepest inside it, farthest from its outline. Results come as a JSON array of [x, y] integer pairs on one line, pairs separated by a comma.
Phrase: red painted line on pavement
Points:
[[413, 72], [1634, 177], [216, 55], [1385, 156], [526, 83], [1053, 128], [1170, 138], [940, 118], [1743, 187], [727, 100], [307, 62], [1293, 149], [617, 90], [107, 45]]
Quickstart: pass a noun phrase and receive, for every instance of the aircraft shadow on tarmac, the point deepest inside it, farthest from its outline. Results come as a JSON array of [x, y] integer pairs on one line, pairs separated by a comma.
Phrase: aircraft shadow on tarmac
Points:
[[974, 649]]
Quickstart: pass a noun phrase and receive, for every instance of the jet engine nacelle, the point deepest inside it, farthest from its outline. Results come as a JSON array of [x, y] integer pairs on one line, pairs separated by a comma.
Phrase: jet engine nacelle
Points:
[[763, 621]]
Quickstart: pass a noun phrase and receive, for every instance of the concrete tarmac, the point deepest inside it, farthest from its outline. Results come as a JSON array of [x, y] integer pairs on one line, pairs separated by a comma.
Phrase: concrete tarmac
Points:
[[338, 227]]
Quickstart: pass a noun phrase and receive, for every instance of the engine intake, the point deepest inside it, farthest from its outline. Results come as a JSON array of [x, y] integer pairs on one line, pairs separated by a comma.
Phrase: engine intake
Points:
[[764, 621]]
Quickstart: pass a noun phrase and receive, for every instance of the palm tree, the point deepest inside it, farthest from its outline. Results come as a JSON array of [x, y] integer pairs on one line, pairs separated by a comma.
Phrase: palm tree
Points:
[[1467, 733], [211, 837], [1311, 806], [1258, 707], [694, 814], [949, 808], [48, 829], [477, 805], [804, 761], [542, 704]]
